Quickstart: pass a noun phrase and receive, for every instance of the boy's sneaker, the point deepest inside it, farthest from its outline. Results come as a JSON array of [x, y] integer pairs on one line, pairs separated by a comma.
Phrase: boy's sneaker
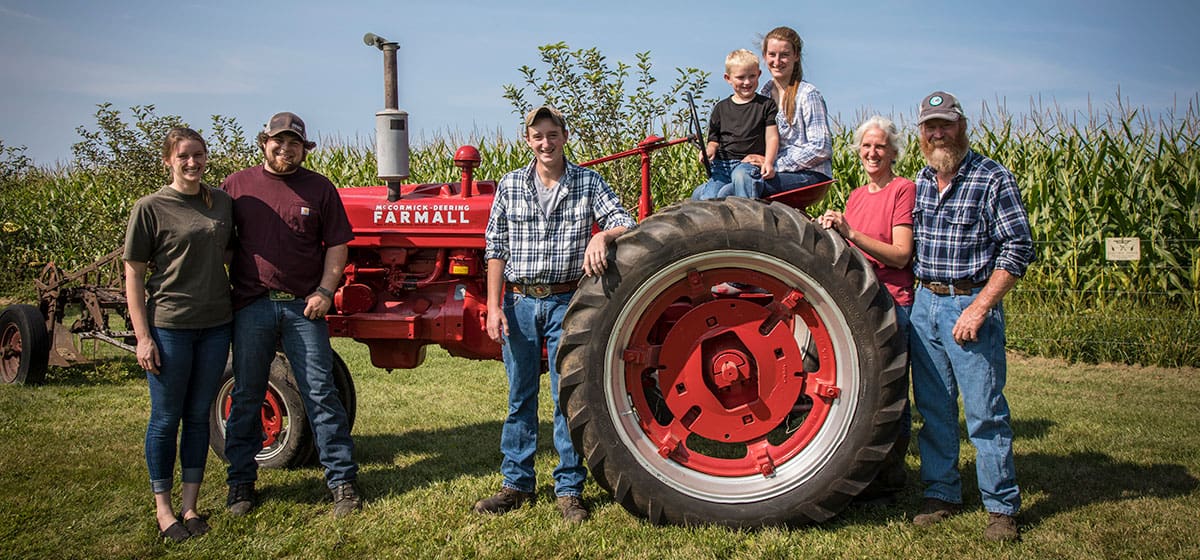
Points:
[[346, 499], [242, 498], [507, 499]]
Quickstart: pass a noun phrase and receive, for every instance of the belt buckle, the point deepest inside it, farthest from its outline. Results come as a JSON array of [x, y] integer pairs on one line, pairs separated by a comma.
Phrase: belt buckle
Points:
[[280, 295], [538, 291]]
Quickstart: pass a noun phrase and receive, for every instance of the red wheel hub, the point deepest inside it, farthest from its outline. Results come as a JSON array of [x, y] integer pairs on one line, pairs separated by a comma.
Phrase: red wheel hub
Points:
[[730, 371], [726, 381], [274, 415]]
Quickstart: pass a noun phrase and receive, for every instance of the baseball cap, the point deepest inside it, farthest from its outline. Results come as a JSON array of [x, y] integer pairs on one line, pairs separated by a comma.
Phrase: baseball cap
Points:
[[285, 122], [545, 111], [940, 105]]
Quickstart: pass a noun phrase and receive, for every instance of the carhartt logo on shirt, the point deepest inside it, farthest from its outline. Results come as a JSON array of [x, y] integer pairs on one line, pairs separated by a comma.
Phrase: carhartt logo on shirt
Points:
[[304, 211]]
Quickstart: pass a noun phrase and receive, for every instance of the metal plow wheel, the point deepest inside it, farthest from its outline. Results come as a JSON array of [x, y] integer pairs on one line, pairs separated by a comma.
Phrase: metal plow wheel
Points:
[[24, 345], [736, 365]]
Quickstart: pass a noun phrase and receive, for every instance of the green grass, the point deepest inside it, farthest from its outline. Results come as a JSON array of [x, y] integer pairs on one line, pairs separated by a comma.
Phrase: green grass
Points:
[[1107, 456]]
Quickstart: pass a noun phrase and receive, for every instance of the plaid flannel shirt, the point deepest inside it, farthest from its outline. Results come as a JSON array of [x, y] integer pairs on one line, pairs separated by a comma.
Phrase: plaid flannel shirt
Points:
[[541, 249], [978, 225], [805, 142]]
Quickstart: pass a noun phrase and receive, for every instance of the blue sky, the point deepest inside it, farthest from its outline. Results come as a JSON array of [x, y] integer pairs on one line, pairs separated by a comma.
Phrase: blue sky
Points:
[[249, 59]]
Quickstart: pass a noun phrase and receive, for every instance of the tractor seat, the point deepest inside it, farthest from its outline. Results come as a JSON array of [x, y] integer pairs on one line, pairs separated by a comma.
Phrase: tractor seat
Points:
[[801, 197]]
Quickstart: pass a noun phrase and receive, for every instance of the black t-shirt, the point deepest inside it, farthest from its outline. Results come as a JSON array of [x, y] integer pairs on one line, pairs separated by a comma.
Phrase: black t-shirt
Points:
[[739, 129]]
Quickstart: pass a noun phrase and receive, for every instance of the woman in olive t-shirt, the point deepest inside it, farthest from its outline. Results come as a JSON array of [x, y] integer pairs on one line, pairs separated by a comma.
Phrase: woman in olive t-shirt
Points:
[[181, 314]]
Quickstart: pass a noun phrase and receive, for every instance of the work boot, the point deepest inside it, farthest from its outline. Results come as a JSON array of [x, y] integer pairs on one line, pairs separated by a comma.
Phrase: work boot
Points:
[[572, 509], [934, 511], [346, 499], [1002, 528], [242, 498], [505, 500]]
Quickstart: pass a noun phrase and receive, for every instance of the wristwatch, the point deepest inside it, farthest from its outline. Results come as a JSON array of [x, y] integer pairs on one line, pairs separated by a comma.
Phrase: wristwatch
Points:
[[321, 290]]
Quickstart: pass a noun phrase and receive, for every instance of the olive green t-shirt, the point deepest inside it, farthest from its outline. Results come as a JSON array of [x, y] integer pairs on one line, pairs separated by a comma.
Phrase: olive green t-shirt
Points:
[[183, 241]]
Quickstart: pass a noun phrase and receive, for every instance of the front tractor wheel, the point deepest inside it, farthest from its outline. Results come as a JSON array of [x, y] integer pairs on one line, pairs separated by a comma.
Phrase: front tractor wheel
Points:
[[769, 406], [287, 435]]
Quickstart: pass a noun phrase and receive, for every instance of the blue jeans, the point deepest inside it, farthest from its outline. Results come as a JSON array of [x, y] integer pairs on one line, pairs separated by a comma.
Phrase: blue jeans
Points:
[[941, 368], [730, 177], [192, 361], [258, 329], [530, 321], [783, 182]]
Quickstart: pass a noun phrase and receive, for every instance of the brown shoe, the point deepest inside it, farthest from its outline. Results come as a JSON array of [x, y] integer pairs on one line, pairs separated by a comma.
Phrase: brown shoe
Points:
[[934, 511], [572, 509], [505, 500], [1001, 528]]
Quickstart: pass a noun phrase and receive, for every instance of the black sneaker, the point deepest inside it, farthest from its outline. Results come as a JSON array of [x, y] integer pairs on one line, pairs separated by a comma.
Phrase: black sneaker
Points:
[[572, 509], [505, 500], [242, 498], [346, 499]]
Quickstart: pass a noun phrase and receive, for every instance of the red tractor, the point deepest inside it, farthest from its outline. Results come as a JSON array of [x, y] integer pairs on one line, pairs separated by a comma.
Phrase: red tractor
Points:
[[773, 406]]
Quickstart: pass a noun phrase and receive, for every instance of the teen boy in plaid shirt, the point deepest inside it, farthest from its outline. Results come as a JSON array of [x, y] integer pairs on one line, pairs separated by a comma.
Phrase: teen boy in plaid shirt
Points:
[[539, 245]]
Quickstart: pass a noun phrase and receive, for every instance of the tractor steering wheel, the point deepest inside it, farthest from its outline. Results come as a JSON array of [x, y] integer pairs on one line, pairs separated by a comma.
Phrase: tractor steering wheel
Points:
[[697, 134]]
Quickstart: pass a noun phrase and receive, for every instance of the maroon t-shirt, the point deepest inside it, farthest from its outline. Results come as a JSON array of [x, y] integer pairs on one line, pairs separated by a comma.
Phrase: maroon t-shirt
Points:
[[283, 223]]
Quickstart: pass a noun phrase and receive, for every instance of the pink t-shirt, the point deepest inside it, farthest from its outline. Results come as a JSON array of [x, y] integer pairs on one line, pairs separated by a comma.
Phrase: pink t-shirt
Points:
[[875, 214]]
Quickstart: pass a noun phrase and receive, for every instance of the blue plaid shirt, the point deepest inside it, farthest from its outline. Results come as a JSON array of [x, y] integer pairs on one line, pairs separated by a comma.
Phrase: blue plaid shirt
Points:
[[977, 226], [804, 139], [548, 249]]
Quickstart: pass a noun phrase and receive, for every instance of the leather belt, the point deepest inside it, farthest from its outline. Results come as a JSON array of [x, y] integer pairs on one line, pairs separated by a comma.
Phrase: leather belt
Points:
[[542, 290], [959, 287]]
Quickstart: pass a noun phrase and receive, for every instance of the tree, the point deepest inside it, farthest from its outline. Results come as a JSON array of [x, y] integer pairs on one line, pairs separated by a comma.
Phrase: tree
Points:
[[605, 117]]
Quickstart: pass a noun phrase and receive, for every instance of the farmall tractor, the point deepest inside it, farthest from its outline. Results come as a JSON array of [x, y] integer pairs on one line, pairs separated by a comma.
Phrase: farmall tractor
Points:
[[773, 406]]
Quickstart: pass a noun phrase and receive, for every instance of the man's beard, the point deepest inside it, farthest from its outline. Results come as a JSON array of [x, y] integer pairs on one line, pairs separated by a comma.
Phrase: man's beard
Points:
[[945, 156], [279, 166]]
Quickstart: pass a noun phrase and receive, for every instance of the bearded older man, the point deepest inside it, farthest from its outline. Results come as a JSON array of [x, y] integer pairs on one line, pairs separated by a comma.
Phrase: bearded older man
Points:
[[972, 241]]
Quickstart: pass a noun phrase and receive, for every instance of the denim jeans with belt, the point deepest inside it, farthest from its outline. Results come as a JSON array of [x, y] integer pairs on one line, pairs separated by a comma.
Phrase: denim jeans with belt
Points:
[[941, 368], [257, 330], [189, 374], [530, 321]]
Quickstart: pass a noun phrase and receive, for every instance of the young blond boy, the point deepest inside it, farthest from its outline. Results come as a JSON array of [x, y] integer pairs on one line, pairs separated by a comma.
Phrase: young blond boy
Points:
[[740, 125]]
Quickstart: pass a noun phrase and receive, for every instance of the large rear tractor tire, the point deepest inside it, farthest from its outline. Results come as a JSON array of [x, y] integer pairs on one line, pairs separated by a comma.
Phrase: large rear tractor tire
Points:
[[287, 435], [24, 345], [775, 405]]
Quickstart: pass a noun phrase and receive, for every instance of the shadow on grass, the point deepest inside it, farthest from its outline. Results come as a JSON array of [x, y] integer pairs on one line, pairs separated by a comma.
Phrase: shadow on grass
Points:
[[1083, 478], [1075, 480]]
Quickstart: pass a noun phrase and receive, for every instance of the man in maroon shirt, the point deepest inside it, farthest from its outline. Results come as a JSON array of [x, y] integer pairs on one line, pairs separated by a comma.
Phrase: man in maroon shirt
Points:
[[291, 248]]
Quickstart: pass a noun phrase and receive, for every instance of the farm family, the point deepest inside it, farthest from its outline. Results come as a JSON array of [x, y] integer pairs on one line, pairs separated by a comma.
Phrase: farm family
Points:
[[947, 247]]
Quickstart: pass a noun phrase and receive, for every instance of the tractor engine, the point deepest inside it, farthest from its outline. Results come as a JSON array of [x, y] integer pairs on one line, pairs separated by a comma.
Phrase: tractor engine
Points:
[[415, 273]]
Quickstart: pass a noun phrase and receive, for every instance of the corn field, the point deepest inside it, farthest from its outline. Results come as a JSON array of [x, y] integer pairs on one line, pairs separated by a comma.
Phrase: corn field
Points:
[[1083, 179]]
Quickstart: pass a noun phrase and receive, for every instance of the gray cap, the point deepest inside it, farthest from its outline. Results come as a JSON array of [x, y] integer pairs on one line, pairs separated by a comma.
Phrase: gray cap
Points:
[[545, 111], [285, 122], [940, 105]]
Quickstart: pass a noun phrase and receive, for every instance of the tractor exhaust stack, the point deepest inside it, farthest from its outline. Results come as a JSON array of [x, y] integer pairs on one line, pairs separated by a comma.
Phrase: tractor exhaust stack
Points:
[[391, 124]]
